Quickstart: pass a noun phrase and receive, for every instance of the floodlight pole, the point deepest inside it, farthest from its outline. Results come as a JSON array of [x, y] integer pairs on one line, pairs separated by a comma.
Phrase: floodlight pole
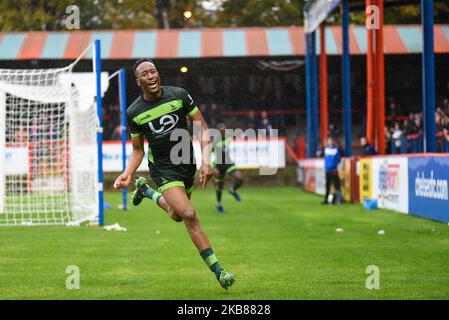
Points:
[[311, 94], [122, 94], [428, 77], [370, 82], [380, 81], [308, 97], [309, 100], [324, 115], [316, 130], [346, 77]]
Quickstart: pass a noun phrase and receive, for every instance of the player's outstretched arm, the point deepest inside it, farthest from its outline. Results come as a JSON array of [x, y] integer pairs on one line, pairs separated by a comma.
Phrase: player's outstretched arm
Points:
[[206, 147], [135, 159]]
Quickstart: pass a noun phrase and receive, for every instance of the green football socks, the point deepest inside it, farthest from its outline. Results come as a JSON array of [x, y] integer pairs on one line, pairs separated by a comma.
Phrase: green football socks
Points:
[[219, 193], [237, 184], [152, 194], [211, 261]]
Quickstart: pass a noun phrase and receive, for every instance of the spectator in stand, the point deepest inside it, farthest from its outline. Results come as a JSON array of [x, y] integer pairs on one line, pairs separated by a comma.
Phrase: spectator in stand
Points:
[[215, 115], [446, 106], [439, 118], [251, 121], [34, 131], [396, 136], [368, 150], [418, 123], [20, 136], [117, 133], [388, 140], [410, 131], [263, 115], [267, 126], [446, 129], [410, 125], [407, 127], [9, 133], [446, 122], [264, 121], [392, 112], [332, 131]]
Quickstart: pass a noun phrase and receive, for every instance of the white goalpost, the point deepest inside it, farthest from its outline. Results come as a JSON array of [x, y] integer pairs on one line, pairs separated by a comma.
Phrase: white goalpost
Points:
[[50, 146]]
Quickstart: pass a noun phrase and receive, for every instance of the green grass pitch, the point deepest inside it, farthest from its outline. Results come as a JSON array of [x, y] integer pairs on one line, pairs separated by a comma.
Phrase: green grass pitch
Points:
[[280, 243]]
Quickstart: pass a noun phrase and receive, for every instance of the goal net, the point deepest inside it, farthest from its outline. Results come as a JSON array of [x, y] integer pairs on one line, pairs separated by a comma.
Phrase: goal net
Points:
[[48, 149]]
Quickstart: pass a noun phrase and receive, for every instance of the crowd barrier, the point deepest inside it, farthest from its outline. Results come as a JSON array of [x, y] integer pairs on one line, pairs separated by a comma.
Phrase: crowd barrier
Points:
[[414, 184]]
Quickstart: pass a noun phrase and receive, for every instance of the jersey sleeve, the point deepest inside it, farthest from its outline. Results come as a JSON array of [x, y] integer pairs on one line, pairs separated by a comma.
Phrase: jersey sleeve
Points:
[[213, 159], [188, 103], [132, 126]]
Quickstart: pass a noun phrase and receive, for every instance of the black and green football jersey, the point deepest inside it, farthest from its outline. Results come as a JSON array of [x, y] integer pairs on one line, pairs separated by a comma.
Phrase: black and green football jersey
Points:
[[157, 120]]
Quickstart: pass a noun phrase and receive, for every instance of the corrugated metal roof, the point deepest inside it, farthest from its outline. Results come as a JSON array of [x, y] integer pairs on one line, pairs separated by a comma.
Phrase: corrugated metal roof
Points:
[[198, 43], [441, 39]]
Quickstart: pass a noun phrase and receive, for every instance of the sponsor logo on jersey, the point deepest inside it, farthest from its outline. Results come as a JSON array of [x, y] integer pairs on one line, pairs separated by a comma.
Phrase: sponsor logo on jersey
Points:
[[166, 123]]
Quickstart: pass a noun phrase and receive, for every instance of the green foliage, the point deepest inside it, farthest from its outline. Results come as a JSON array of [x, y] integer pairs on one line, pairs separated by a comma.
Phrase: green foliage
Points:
[[25, 15], [31, 15], [408, 14], [134, 14], [98, 14], [128, 14], [261, 13], [405, 14]]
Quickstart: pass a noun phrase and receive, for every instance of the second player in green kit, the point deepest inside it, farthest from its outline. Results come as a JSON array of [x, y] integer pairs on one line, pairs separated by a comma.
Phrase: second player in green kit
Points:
[[223, 165]]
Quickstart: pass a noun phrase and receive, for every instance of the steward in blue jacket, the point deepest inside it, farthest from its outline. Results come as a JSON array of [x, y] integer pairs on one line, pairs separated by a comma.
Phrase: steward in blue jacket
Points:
[[332, 156], [368, 150]]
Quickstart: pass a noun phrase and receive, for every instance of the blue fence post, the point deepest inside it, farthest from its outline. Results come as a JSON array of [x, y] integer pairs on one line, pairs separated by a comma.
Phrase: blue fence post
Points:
[[346, 77], [309, 102], [122, 93], [314, 77], [99, 133]]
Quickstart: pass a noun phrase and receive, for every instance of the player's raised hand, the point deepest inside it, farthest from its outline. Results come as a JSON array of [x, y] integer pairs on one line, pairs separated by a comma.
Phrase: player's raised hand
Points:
[[122, 181], [205, 174]]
